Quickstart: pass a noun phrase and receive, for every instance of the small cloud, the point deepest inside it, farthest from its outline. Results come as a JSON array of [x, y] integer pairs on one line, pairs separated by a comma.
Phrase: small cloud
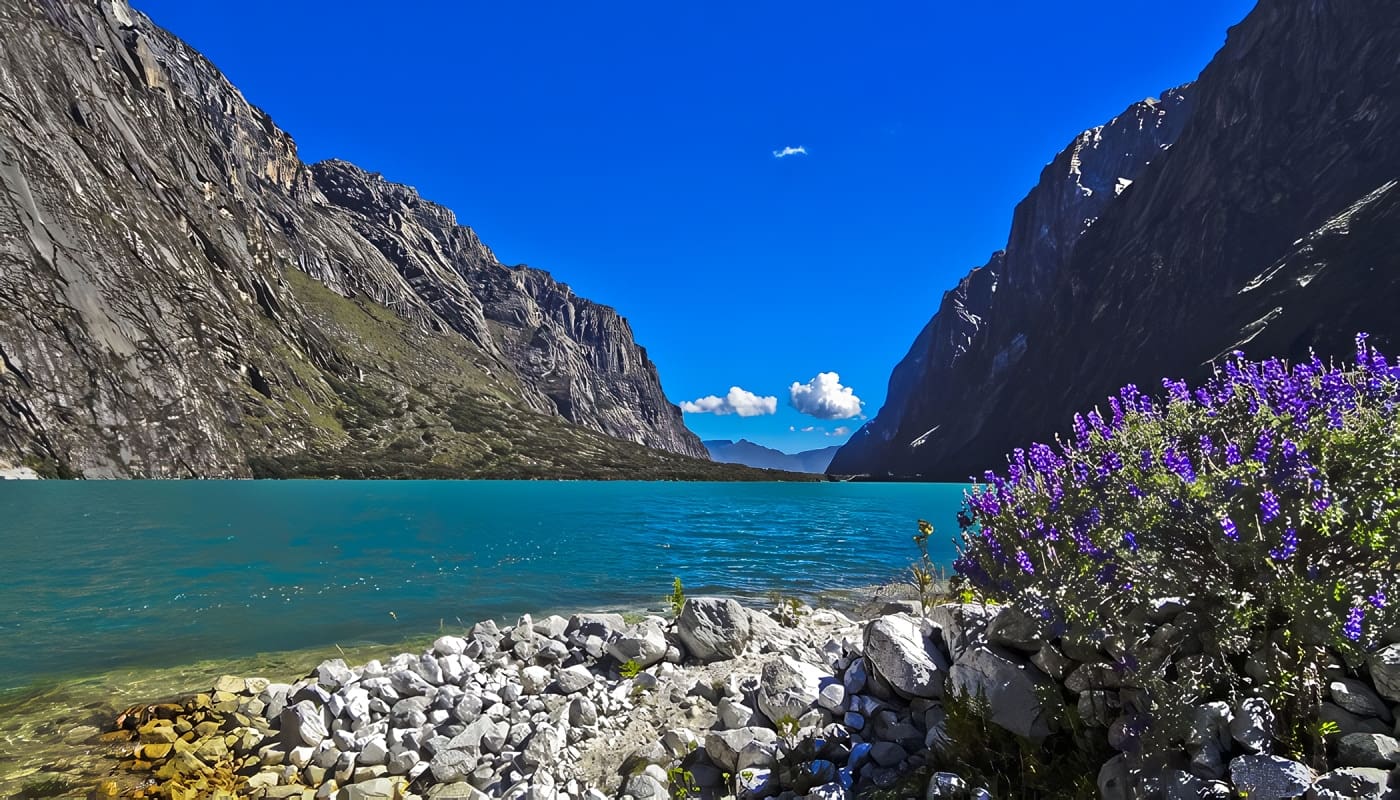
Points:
[[840, 431], [790, 151], [824, 397], [809, 429], [738, 401], [792, 429]]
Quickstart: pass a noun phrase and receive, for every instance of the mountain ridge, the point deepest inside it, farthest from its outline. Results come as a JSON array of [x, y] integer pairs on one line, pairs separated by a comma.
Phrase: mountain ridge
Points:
[[1266, 226], [180, 296], [755, 455]]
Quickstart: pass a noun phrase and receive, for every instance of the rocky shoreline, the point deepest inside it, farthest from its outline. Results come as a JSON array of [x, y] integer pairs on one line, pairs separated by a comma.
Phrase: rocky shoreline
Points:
[[729, 701]]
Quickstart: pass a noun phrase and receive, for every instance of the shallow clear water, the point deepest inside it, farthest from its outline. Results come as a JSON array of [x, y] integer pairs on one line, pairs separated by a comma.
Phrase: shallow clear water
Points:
[[108, 576]]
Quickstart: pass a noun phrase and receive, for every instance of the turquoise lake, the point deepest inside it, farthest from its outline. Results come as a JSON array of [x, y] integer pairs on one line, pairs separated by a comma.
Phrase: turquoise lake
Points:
[[107, 575]]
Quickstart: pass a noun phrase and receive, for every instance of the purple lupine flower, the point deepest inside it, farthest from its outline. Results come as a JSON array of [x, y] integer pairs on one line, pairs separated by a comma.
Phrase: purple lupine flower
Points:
[[1081, 472], [1148, 461], [1135, 491], [1228, 526], [1377, 600], [1130, 539], [1264, 446], [1109, 464], [1052, 534], [1287, 547], [1362, 351], [1081, 432], [1321, 504], [1334, 417], [1096, 422], [1180, 463], [1268, 506], [1232, 454], [1207, 446], [1352, 628], [1176, 389], [1024, 562], [1117, 408]]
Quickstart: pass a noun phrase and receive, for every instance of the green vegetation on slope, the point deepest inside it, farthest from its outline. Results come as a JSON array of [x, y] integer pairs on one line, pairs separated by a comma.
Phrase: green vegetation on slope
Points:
[[397, 402]]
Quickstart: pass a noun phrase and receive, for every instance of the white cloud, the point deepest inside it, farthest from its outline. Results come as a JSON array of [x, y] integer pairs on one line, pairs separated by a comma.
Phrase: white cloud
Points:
[[738, 401], [824, 397], [790, 151], [809, 429], [840, 431]]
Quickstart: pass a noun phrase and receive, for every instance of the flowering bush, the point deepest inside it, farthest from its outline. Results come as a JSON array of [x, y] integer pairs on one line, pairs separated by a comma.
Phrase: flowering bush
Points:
[[1269, 498]]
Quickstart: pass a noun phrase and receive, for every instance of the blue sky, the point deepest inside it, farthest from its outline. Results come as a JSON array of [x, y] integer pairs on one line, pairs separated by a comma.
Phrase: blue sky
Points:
[[629, 149]]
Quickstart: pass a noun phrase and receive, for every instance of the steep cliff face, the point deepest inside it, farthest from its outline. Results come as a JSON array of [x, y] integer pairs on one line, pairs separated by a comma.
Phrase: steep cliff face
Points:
[[181, 296], [1268, 225], [1075, 189]]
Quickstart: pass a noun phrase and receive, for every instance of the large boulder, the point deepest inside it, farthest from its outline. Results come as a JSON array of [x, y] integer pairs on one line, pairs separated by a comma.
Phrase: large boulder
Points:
[[1358, 698], [1266, 777], [1351, 783], [724, 747], [1385, 672], [961, 626], [898, 651], [1368, 750], [1014, 691], [788, 688], [714, 628], [644, 644]]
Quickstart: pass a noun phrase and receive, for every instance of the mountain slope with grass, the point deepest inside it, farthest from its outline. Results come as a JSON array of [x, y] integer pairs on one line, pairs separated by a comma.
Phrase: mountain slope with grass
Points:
[[181, 296], [1265, 219]]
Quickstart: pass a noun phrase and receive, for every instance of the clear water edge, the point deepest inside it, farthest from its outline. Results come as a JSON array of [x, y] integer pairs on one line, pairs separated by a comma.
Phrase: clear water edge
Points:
[[726, 539]]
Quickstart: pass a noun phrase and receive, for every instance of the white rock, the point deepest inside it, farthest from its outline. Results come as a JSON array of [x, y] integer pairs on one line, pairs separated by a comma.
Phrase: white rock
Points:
[[574, 679], [450, 646], [896, 649], [533, 680], [832, 696], [723, 747], [305, 722], [713, 628], [644, 644], [787, 688], [375, 789], [452, 766]]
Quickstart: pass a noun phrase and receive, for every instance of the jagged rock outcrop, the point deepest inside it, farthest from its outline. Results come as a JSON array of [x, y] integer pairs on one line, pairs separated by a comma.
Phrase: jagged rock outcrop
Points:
[[1267, 225], [181, 296]]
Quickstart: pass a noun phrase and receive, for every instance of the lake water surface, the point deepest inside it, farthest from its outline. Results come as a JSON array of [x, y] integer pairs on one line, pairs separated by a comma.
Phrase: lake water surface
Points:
[[118, 575]]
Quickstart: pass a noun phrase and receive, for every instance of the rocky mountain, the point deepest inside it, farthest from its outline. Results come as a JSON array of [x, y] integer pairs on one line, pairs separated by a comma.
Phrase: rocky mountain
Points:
[[1255, 209], [181, 296], [756, 455]]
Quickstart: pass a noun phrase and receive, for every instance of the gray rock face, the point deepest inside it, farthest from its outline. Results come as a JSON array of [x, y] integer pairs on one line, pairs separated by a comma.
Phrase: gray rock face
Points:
[[788, 688], [1253, 725], [1368, 750], [1012, 689], [897, 650], [714, 628], [1358, 698], [1108, 253], [644, 644], [1270, 777], [1350, 783], [1385, 672], [213, 301]]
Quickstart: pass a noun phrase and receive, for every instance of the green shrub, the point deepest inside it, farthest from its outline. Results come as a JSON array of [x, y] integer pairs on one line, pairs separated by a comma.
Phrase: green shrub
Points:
[[1266, 498]]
